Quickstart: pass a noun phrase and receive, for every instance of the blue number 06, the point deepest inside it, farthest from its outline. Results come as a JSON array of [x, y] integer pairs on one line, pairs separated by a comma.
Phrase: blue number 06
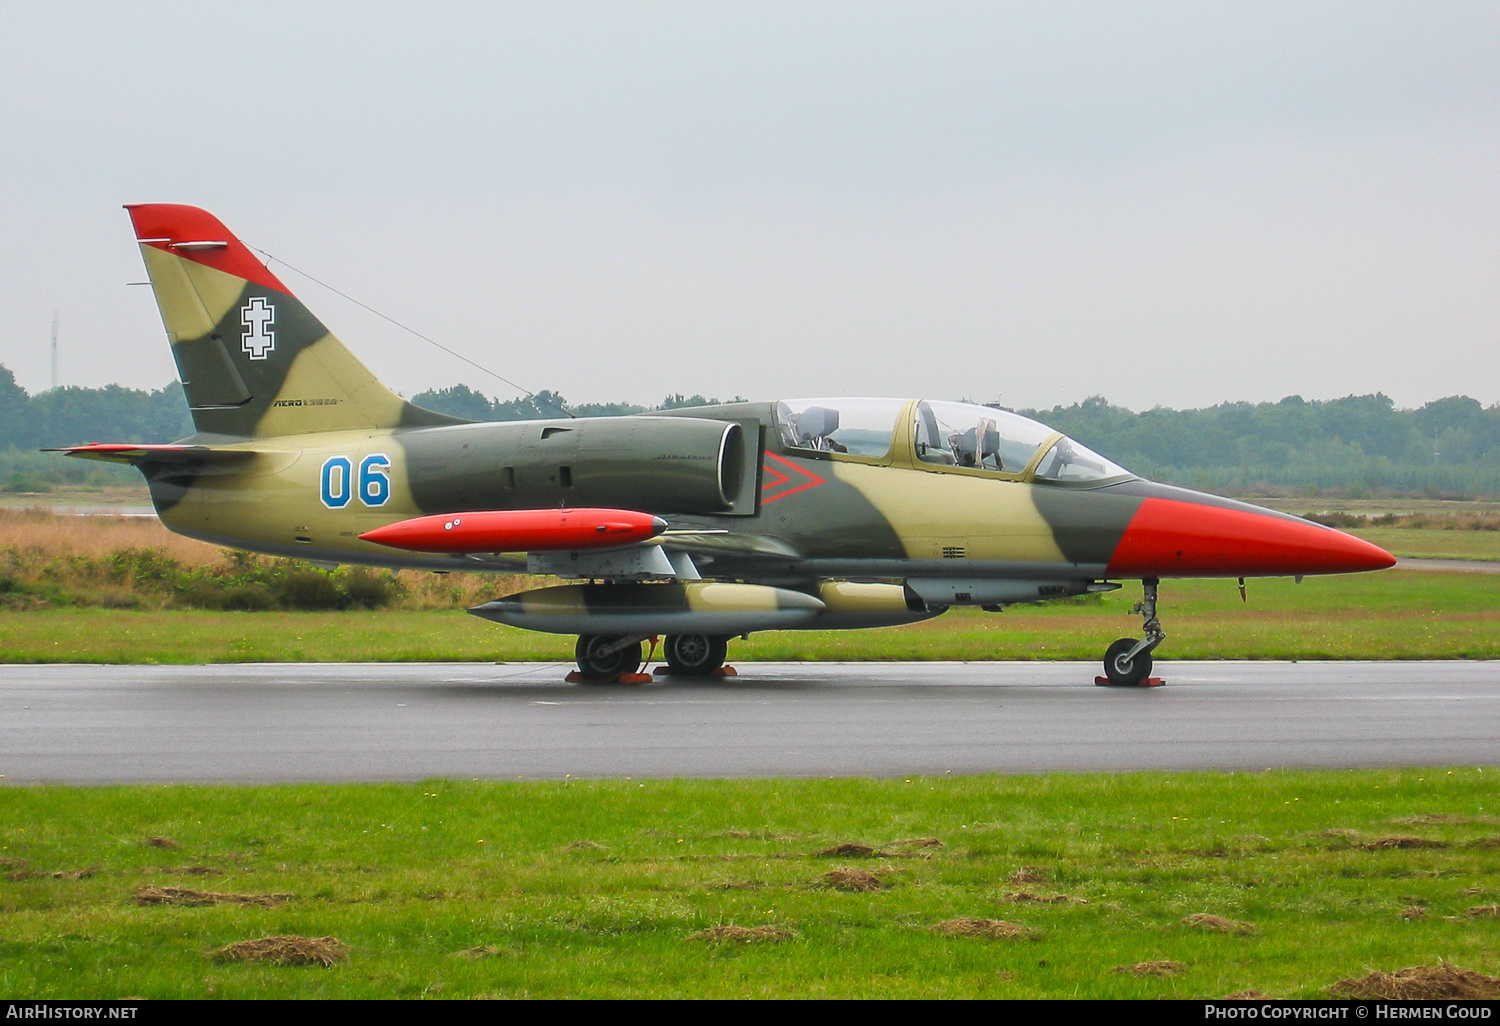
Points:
[[336, 484]]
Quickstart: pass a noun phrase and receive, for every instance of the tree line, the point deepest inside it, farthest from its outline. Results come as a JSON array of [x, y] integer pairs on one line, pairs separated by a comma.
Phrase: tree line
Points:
[[1357, 444], [463, 401], [1354, 445]]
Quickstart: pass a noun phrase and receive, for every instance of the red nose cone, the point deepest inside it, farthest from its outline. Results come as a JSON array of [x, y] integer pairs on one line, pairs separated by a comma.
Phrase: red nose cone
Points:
[[519, 530], [1168, 538]]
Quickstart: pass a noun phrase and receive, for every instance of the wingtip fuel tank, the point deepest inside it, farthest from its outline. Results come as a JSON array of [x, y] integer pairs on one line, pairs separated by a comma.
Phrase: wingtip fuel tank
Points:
[[519, 530]]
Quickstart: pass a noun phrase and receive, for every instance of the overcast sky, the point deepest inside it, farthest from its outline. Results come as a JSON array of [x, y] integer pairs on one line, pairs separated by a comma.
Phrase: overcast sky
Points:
[[1169, 204]]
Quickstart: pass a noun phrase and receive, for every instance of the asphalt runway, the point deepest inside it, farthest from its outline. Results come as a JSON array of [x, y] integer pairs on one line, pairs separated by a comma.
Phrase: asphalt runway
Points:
[[1450, 566], [348, 722]]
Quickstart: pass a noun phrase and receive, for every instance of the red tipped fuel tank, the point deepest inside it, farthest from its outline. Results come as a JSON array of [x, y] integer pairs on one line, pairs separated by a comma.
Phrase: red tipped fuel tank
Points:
[[519, 530]]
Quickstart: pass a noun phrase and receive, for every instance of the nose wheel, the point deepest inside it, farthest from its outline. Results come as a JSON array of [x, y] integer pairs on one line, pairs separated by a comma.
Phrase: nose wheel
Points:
[[1127, 663], [1124, 669]]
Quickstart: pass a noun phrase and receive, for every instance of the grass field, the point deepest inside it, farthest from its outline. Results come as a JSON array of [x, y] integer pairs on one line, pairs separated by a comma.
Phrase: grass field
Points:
[[1394, 615], [1398, 505], [1433, 544], [459, 889], [78, 495]]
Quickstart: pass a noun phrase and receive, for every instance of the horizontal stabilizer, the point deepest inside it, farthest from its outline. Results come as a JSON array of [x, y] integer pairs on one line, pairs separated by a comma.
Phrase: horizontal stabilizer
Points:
[[135, 454]]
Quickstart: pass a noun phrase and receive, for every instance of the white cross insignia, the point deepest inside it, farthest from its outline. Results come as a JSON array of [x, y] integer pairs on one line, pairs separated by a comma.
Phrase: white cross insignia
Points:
[[257, 316]]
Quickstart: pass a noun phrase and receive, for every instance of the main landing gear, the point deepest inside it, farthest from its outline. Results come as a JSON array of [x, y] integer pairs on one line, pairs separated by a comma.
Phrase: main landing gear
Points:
[[604, 658], [695, 655], [1127, 663]]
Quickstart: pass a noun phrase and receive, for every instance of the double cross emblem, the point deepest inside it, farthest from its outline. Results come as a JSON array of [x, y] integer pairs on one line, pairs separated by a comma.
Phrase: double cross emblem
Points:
[[257, 316]]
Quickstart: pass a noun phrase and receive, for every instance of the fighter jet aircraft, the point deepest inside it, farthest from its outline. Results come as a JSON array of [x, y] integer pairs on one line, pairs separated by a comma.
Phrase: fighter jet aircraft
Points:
[[695, 525]]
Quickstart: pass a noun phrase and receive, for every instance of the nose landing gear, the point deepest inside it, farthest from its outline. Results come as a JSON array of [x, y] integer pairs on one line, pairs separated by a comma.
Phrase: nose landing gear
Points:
[[1127, 663]]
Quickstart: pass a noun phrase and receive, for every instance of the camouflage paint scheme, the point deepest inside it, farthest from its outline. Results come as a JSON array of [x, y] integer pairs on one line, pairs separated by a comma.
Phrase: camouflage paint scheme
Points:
[[277, 400]]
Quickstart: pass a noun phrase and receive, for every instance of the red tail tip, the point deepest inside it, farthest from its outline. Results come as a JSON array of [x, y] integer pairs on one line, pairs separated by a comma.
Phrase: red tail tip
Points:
[[194, 234]]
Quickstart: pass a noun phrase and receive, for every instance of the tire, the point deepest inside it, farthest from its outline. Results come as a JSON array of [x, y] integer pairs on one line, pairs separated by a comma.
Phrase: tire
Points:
[[1129, 674], [598, 668], [696, 655]]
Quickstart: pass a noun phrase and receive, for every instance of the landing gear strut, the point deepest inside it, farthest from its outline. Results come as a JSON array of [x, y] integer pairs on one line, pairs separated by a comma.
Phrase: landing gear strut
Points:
[[1127, 663], [696, 655], [603, 657]]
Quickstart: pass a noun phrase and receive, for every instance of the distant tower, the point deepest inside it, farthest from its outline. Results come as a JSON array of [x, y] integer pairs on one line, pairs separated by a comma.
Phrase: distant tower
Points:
[[54, 348]]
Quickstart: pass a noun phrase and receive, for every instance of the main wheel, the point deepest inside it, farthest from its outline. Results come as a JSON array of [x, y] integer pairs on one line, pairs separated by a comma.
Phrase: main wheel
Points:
[[596, 665], [1123, 672], [696, 655]]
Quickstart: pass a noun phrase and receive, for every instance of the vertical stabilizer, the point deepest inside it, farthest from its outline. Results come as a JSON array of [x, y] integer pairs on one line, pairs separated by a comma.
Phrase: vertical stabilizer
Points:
[[254, 361]]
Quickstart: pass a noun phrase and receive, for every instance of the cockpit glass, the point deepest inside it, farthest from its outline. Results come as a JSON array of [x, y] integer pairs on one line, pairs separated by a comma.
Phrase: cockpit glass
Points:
[[947, 434], [979, 437], [1069, 461], [860, 427]]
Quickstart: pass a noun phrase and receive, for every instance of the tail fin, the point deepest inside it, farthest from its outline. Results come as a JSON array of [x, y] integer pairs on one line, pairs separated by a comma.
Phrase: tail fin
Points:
[[253, 360]]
